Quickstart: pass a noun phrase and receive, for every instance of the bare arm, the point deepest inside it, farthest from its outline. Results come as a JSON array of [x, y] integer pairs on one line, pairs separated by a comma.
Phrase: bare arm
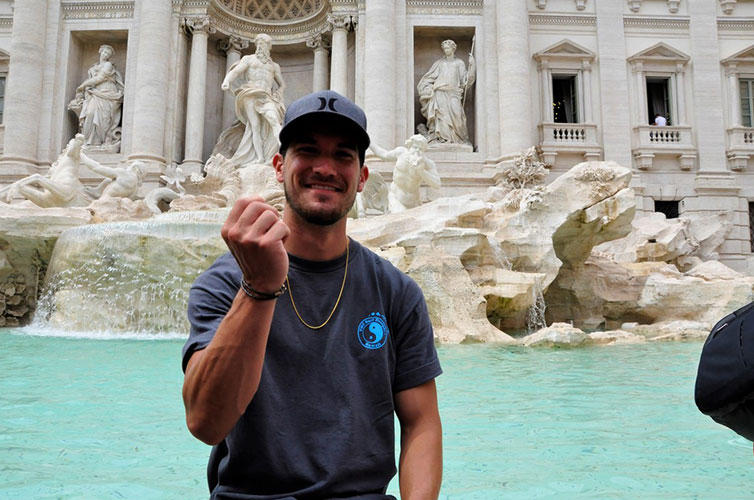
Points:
[[420, 471], [430, 175], [234, 72], [280, 91], [222, 379], [383, 154], [97, 168]]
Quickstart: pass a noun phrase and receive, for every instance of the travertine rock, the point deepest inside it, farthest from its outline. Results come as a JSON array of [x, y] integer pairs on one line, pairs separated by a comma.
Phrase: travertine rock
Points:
[[115, 209], [557, 334], [27, 237]]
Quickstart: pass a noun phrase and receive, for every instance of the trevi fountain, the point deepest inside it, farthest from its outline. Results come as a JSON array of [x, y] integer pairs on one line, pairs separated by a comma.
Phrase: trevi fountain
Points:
[[538, 273]]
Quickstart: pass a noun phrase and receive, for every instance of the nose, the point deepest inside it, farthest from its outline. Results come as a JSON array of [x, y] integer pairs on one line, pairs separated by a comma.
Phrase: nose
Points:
[[324, 165]]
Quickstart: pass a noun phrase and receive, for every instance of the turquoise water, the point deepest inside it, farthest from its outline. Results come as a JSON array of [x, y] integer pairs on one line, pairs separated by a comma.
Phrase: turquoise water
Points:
[[103, 418]]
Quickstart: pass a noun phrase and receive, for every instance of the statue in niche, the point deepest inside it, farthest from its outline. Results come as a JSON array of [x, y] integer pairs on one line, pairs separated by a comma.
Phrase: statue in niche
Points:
[[412, 169], [257, 84], [98, 104], [442, 93], [60, 186]]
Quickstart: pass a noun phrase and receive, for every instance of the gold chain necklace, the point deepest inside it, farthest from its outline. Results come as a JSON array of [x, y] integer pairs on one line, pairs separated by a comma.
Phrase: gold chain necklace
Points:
[[340, 294]]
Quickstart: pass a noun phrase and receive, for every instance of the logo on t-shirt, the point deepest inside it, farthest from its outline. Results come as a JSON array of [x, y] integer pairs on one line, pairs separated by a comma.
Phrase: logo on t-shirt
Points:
[[373, 331]]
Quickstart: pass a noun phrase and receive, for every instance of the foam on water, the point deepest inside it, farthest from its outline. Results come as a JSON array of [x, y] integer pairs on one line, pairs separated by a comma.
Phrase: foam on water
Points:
[[40, 330]]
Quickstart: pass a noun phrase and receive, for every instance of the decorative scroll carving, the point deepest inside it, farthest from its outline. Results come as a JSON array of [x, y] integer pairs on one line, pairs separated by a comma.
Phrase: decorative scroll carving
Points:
[[340, 21], [727, 6], [198, 25], [318, 42], [232, 43]]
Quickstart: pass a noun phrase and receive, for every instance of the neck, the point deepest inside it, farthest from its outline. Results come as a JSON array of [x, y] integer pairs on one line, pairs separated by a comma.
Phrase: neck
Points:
[[314, 242]]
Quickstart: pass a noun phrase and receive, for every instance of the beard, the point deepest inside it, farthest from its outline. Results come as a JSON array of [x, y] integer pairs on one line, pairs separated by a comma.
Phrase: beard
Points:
[[319, 217]]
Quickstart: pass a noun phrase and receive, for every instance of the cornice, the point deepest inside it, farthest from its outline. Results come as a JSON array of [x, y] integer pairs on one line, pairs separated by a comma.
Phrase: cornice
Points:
[[563, 20], [449, 7], [6, 22], [735, 24], [677, 23], [97, 10]]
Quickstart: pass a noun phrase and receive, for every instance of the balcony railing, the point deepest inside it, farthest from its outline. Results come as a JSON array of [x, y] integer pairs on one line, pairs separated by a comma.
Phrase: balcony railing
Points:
[[740, 147], [650, 140], [568, 138]]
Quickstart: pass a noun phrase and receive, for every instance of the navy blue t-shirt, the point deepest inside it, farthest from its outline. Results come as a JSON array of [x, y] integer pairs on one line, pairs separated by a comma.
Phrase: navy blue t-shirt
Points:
[[321, 423]]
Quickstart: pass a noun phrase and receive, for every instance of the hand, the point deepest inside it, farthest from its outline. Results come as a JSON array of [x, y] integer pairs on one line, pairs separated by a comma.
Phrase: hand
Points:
[[225, 86], [255, 235]]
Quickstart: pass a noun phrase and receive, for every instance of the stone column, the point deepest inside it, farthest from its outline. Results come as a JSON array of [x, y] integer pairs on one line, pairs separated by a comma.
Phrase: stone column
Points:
[[319, 45], [151, 82], [379, 72], [680, 83], [616, 126], [232, 46], [708, 109], [544, 70], [513, 76], [22, 94], [734, 98], [586, 74], [199, 27], [339, 64]]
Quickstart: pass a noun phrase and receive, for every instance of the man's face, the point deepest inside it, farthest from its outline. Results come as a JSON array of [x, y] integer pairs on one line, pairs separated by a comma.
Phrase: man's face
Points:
[[321, 176]]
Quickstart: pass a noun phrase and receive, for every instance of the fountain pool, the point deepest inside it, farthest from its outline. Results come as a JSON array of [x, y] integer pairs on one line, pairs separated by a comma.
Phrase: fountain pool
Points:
[[101, 416]]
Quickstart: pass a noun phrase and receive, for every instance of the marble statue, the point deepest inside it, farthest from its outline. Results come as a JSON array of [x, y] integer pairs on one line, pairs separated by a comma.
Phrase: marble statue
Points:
[[257, 84], [442, 92], [119, 182], [60, 186], [219, 188], [412, 169], [98, 104], [373, 198]]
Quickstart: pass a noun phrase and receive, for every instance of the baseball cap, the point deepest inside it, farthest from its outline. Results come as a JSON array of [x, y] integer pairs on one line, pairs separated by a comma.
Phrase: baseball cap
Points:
[[325, 105]]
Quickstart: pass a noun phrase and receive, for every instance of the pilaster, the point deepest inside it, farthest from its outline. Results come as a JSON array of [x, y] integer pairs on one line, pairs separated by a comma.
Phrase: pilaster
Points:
[[232, 47], [319, 46]]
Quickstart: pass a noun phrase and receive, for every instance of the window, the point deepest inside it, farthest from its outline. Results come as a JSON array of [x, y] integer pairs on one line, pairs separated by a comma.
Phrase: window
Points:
[[658, 98], [564, 104], [747, 101], [669, 208]]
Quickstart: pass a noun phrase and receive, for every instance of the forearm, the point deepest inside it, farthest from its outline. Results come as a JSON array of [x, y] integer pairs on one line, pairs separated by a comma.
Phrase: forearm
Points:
[[222, 379], [420, 471]]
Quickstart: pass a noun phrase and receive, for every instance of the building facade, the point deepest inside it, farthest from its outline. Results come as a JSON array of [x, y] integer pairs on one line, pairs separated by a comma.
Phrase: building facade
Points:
[[579, 79]]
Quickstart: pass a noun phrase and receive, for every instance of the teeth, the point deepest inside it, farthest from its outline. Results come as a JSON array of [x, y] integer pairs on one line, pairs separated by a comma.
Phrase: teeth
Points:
[[319, 186]]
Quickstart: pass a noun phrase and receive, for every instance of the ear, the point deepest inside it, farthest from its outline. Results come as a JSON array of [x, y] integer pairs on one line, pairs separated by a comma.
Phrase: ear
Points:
[[363, 176], [277, 163]]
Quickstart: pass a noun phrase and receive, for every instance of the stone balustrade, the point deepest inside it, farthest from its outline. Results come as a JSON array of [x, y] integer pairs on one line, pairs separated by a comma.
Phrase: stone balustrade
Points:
[[677, 141], [740, 147], [570, 138]]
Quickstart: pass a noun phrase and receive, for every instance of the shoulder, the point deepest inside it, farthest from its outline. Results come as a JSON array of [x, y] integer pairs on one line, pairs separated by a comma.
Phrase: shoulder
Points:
[[222, 277]]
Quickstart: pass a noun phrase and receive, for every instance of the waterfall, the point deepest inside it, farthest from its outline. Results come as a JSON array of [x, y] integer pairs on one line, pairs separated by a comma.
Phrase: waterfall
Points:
[[128, 276], [535, 316]]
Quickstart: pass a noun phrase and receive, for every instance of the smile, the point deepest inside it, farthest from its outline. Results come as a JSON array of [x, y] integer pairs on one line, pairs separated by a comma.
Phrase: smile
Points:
[[323, 187]]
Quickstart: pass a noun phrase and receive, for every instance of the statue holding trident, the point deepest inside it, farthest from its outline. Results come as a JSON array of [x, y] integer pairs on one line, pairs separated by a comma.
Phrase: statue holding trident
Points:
[[442, 93]]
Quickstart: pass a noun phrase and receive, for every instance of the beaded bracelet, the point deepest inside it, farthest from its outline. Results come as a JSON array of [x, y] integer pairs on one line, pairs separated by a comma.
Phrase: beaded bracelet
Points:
[[257, 295]]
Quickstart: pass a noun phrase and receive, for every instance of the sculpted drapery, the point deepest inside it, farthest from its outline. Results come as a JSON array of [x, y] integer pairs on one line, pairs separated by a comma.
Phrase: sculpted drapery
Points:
[[441, 92]]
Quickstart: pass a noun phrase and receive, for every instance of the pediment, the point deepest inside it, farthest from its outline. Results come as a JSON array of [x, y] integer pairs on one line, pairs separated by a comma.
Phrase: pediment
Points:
[[565, 49], [660, 52], [743, 56]]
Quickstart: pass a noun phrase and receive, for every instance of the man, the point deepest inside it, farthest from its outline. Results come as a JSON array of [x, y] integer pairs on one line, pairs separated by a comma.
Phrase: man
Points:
[[441, 92], [297, 390], [660, 120], [412, 169], [259, 102]]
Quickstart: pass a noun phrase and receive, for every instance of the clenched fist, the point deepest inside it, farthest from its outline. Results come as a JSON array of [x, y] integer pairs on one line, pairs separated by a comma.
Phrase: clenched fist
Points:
[[255, 235]]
